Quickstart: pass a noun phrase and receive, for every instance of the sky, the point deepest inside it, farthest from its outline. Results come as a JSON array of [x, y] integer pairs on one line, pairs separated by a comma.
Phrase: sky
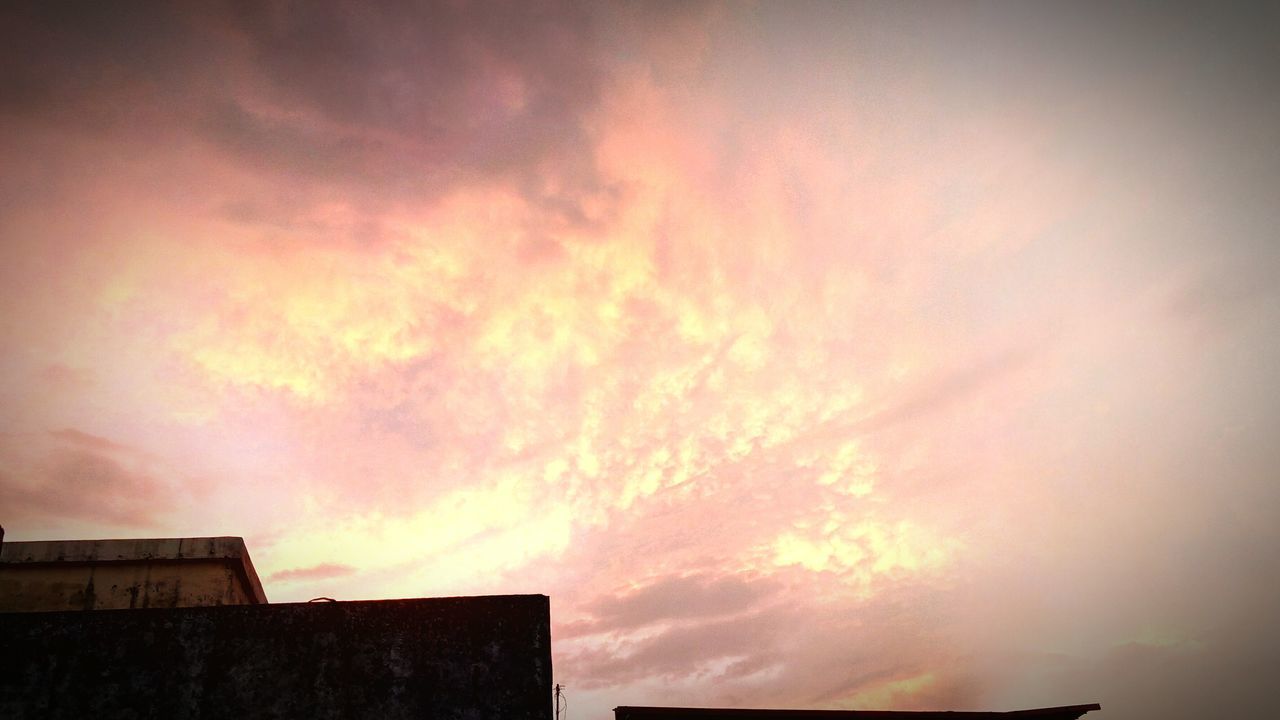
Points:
[[817, 355]]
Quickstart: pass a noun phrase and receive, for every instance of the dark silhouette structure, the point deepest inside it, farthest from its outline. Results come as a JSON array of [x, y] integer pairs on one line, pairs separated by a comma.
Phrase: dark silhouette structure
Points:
[[1068, 712], [469, 657]]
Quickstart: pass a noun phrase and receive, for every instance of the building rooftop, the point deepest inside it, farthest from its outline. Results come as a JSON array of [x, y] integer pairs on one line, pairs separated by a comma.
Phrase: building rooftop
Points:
[[1066, 712], [463, 657], [38, 558]]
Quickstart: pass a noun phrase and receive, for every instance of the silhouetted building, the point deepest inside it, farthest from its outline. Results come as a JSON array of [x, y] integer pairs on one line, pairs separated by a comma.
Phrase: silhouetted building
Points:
[[209, 647], [180, 628], [1068, 712]]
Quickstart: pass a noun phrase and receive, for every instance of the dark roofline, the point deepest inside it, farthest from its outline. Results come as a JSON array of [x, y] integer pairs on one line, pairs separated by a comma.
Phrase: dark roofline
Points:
[[624, 712], [1034, 712]]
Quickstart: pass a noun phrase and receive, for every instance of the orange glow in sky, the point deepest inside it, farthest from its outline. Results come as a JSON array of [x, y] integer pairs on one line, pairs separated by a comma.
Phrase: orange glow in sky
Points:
[[841, 355]]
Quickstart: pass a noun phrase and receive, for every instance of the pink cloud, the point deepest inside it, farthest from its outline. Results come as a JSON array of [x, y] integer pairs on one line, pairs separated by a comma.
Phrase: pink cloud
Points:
[[82, 484], [323, 571], [675, 598], [87, 441], [818, 355]]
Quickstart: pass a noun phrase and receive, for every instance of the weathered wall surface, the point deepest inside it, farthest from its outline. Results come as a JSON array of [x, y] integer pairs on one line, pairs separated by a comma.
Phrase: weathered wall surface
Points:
[[118, 585], [56, 575], [458, 658]]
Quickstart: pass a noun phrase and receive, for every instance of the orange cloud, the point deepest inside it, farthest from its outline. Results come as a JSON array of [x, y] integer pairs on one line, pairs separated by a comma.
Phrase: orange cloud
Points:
[[819, 355]]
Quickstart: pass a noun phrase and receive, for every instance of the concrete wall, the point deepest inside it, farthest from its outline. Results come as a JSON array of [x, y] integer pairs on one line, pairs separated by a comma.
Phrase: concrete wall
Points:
[[457, 658], [41, 588], [117, 574]]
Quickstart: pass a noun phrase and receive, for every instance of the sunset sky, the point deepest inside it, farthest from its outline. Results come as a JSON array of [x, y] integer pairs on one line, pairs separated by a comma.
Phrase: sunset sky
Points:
[[865, 355]]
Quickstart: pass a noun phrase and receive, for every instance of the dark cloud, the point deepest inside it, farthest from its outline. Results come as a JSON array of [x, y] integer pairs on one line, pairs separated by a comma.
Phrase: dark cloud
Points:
[[87, 441], [674, 598], [272, 145], [452, 75], [840, 648], [88, 64], [80, 483], [678, 652], [1221, 676], [416, 98], [377, 102], [794, 652]]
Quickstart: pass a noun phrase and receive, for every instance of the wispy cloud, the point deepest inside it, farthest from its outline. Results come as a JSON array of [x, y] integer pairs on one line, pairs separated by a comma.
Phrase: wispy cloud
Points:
[[671, 599], [87, 441], [323, 571]]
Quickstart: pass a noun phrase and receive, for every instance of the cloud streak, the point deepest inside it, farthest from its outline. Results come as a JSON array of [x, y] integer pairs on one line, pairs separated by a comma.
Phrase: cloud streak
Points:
[[323, 571]]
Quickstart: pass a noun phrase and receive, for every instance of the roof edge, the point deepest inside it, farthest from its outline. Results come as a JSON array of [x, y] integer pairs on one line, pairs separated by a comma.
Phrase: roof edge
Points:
[[225, 548]]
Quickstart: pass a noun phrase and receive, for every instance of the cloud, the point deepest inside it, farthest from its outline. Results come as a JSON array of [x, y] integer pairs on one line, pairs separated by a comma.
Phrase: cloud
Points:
[[88, 441], [678, 598], [377, 104], [808, 647], [813, 355], [323, 571], [952, 385], [684, 652], [82, 65], [83, 484]]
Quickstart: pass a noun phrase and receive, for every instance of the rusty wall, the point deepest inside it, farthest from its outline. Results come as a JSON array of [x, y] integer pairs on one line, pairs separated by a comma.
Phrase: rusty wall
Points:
[[117, 585], [464, 658]]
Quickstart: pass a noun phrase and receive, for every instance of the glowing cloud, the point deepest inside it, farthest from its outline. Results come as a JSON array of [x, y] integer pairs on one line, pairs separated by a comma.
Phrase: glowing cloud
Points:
[[826, 355]]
